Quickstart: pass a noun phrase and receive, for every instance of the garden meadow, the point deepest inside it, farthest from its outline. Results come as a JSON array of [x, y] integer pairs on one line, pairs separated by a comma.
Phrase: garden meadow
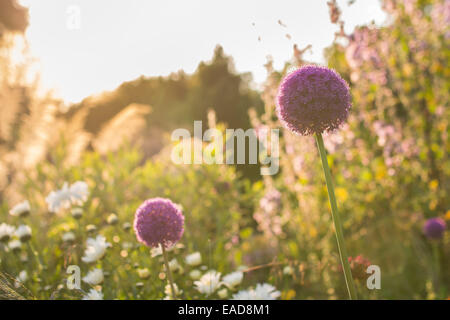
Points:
[[361, 186]]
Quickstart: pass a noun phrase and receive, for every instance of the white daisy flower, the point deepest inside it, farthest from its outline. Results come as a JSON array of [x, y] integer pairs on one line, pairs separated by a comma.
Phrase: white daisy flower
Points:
[[94, 277], [79, 192], [6, 232], [143, 273], [174, 266], [262, 291], [95, 249], [23, 232], [195, 274], [288, 270], [266, 291], [223, 294], [21, 209], [15, 245], [112, 219], [168, 291], [127, 245], [233, 279], [208, 283], [23, 276], [194, 259], [77, 213], [243, 295], [59, 199], [76, 194], [154, 252], [68, 237], [93, 295]]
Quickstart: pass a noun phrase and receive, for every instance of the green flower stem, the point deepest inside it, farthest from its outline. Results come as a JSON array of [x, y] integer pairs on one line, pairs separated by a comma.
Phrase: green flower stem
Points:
[[169, 273], [336, 219], [36, 256], [436, 268]]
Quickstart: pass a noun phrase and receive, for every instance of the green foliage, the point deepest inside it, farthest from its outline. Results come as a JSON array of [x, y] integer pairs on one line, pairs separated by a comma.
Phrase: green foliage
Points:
[[215, 204], [390, 163]]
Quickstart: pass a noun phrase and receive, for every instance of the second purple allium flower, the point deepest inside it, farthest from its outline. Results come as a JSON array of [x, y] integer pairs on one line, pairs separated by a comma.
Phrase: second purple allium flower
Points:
[[313, 99], [159, 221], [434, 228]]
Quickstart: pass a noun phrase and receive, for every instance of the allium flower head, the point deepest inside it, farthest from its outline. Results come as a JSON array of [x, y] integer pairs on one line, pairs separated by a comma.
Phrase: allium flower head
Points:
[[313, 99], [434, 228], [158, 221]]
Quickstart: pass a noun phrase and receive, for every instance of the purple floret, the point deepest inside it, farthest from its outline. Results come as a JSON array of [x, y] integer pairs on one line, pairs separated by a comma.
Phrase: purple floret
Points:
[[313, 99], [158, 221], [434, 228]]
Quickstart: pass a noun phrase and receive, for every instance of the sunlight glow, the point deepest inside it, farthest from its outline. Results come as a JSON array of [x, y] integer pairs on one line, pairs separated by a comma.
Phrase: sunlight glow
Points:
[[114, 41]]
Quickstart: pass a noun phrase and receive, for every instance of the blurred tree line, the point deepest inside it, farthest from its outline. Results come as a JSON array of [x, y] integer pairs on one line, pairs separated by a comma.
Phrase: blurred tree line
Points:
[[13, 17], [179, 99]]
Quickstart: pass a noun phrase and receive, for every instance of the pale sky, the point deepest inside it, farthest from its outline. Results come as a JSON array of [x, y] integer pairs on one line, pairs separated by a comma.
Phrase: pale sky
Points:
[[119, 40]]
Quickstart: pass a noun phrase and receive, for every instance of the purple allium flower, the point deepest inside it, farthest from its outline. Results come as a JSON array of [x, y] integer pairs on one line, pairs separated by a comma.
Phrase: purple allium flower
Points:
[[313, 99], [434, 228], [158, 221]]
